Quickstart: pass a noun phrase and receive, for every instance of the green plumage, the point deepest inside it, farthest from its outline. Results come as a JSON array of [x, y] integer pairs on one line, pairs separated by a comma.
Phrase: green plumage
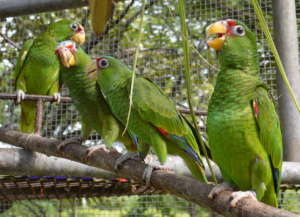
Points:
[[94, 112], [37, 69], [154, 120], [242, 125]]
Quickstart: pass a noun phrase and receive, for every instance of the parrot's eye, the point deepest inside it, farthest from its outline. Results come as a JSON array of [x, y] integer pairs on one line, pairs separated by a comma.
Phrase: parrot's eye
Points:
[[238, 30], [102, 63], [74, 26]]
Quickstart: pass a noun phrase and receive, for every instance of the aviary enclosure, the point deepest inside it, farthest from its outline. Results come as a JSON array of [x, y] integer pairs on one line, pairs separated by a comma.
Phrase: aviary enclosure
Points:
[[161, 59]]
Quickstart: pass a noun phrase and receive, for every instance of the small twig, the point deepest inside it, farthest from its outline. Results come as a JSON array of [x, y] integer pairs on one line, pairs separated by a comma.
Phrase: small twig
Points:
[[31, 97], [44, 98], [122, 15], [187, 111], [10, 41]]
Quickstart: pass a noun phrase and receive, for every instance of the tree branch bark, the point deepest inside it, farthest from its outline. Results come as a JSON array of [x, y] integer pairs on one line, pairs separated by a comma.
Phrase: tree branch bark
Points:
[[13, 160], [37, 164], [184, 187]]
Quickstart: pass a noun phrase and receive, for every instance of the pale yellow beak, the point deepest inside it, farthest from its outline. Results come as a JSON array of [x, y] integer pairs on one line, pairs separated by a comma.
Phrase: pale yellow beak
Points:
[[218, 29], [79, 36], [91, 72], [66, 57]]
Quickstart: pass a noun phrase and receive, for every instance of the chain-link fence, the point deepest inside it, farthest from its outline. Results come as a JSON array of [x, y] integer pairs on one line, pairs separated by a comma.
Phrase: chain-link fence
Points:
[[160, 58]]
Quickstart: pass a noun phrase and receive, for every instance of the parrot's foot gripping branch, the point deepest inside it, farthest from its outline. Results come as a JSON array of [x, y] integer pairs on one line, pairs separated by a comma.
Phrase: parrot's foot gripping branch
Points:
[[125, 157], [224, 186], [91, 150], [238, 195], [20, 95], [235, 196], [57, 97], [63, 144]]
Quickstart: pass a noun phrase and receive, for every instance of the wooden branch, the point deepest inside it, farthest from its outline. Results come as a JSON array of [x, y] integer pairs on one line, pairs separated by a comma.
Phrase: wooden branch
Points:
[[11, 8], [44, 98], [18, 162], [30, 97], [9, 41], [12, 163], [39, 117], [184, 187]]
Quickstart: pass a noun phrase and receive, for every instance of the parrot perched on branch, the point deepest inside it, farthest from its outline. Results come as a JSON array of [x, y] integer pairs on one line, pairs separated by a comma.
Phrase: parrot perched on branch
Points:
[[154, 120], [100, 12], [37, 68], [78, 72], [242, 124]]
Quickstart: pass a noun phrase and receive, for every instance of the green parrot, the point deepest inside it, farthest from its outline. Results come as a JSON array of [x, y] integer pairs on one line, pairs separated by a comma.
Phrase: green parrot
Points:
[[37, 68], [242, 125], [100, 13], [78, 73], [154, 120]]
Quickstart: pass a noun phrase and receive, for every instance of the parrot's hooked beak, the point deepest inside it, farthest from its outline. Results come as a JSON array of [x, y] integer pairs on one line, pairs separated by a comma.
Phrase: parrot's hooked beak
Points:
[[92, 71], [216, 35], [66, 56], [79, 36]]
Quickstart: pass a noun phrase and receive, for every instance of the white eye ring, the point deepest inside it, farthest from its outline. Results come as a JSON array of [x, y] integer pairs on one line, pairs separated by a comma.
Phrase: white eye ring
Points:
[[102, 63], [238, 30], [74, 26]]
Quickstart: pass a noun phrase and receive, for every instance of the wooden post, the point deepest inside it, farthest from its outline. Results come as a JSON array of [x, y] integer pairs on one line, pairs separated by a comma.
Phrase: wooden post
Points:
[[286, 39], [12, 8], [39, 117]]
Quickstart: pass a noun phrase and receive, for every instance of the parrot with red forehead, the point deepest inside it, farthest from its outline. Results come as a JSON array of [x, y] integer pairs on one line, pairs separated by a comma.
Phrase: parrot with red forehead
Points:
[[242, 124], [78, 73], [154, 121], [37, 68]]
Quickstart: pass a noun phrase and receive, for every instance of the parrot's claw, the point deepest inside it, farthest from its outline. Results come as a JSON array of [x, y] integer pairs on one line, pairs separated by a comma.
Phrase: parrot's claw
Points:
[[147, 175], [91, 150], [66, 142], [238, 195], [224, 186], [20, 95], [29, 136], [125, 157], [57, 97]]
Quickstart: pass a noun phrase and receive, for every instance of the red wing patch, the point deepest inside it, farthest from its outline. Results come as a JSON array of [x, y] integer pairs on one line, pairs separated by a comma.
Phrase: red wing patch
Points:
[[122, 180], [162, 131], [255, 108]]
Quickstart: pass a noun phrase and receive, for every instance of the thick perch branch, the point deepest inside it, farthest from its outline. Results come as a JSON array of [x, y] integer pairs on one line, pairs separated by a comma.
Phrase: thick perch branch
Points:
[[185, 187], [23, 7], [18, 162], [12, 163]]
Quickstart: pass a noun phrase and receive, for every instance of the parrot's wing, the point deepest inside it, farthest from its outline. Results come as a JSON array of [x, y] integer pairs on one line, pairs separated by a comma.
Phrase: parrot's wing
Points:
[[202, 152], [155, 107], [270, 136], [100, 11], [22, 58]]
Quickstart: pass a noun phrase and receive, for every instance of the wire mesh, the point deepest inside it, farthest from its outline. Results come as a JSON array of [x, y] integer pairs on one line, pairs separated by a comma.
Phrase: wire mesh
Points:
[[161, 54], [160, 59]]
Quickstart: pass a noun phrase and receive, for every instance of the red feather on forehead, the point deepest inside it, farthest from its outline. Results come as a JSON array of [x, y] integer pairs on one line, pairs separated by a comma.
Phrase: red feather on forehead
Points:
[[231, 23]]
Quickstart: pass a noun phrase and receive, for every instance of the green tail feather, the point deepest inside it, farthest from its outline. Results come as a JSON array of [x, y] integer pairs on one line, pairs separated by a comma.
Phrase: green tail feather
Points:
[[28, 113], [270, 197]]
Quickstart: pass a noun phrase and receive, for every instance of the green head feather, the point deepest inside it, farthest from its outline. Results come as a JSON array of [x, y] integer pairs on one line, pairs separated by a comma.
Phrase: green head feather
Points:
[[112, 73], [239, 49], [63, 29]]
